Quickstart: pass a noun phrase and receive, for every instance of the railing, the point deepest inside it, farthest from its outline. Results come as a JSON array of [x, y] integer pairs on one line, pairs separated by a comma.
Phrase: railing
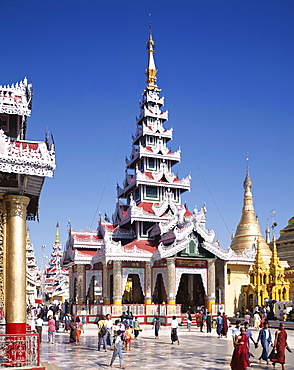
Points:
[[136, 309], [19, 350]]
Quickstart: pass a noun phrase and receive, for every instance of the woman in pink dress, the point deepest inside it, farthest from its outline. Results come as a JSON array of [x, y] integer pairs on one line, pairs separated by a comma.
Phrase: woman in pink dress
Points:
[[240, 359]]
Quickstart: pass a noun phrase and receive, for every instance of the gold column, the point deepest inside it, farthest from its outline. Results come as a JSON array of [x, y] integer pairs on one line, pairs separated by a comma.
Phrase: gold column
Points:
[[106, 300], [15, 294], [210, 300], [148, 298], [81, 284], [171, 280], [117, 296], [2, 252]]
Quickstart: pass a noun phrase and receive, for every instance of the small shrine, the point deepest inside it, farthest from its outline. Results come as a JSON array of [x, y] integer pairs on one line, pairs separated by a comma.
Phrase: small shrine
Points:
[[33, 273]]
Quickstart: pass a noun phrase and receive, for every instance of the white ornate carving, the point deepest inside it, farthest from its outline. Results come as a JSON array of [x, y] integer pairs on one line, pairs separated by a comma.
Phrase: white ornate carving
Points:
[[155, 272], [176, 247], [195, 271], [26, 157], [16, 99], [127, 271]]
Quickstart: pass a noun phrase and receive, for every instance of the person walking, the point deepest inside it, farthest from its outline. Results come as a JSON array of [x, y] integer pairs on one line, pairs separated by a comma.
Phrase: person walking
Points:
[[236, 331], [136, 328], [208, 322], [201, 321], [117, 350], [66, 320], [109, 327], [265, 339], [277, 355], [257, 320], [225, 326], [156, 326], [39, 324], [72, 331], [240, 359], [189, 320], [249, 336], [84, 313], [128, 337], [79, 330], [174, 330], [51, 329], [219, 324], [102, 333]]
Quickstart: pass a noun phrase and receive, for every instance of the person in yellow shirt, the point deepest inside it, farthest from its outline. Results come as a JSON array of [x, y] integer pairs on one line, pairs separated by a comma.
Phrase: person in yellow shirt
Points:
[[102, 333]]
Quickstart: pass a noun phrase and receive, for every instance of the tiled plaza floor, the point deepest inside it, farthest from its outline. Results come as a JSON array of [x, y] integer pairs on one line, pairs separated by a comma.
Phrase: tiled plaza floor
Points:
[[196, 351]]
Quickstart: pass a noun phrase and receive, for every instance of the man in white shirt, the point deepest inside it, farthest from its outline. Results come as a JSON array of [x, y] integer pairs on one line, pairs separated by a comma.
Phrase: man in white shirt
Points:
[[174, 329]]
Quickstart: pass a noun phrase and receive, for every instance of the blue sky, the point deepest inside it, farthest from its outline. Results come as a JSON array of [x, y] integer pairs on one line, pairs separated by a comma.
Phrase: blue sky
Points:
[[225, 69]]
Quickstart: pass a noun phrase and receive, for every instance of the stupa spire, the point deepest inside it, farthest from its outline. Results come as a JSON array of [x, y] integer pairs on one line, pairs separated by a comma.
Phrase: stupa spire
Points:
[[57, 234], [248, 230], [151, 68]]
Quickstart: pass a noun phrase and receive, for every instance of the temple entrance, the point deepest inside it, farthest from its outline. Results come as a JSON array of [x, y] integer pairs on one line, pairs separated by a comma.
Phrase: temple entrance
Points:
[[159, 295], [133, 291], [190, 292]]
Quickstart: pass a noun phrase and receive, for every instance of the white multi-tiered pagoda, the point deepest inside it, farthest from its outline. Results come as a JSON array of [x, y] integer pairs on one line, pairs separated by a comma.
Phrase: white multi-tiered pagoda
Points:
[[155, 250]]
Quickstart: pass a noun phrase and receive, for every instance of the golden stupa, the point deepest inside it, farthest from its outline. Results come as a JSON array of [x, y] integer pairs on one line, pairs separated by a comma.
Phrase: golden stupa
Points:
[[248, 230]]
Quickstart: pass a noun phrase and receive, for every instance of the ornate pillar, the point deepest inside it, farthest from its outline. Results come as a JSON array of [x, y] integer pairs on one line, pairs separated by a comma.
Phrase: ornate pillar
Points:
[[148, 294], [81, 278], [117, 296], [15, 297], [71, 284], [105, 289], [171, 280], [210, 300]]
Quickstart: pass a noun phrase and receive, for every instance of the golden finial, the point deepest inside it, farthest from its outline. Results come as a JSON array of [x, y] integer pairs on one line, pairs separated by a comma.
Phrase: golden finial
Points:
[[247, 181], [57, 233], [151, 68]]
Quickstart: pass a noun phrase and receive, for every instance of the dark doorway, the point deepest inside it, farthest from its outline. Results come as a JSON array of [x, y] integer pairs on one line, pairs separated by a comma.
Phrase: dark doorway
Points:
[[190, 292], [133, 291], [159, 295]]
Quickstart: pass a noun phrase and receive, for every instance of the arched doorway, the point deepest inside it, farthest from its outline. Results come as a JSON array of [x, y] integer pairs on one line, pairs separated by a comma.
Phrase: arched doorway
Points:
[[133, 291], [159, 295], [190, 292]]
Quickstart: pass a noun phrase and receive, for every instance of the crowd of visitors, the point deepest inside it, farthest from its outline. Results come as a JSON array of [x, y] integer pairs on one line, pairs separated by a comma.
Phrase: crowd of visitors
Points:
[[118, 334]]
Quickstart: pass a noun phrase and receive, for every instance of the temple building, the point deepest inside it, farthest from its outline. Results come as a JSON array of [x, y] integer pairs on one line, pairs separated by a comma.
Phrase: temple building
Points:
[[155, 250], [24, 164], [56, 279]]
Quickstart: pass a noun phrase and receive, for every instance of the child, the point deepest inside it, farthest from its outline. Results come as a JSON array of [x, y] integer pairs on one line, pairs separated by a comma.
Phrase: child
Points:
[[128, 337], [117, 345]]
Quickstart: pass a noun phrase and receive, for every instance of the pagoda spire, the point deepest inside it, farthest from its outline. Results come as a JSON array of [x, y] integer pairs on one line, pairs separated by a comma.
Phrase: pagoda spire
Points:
[[151, 68], [248, 229], [57, 234]]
